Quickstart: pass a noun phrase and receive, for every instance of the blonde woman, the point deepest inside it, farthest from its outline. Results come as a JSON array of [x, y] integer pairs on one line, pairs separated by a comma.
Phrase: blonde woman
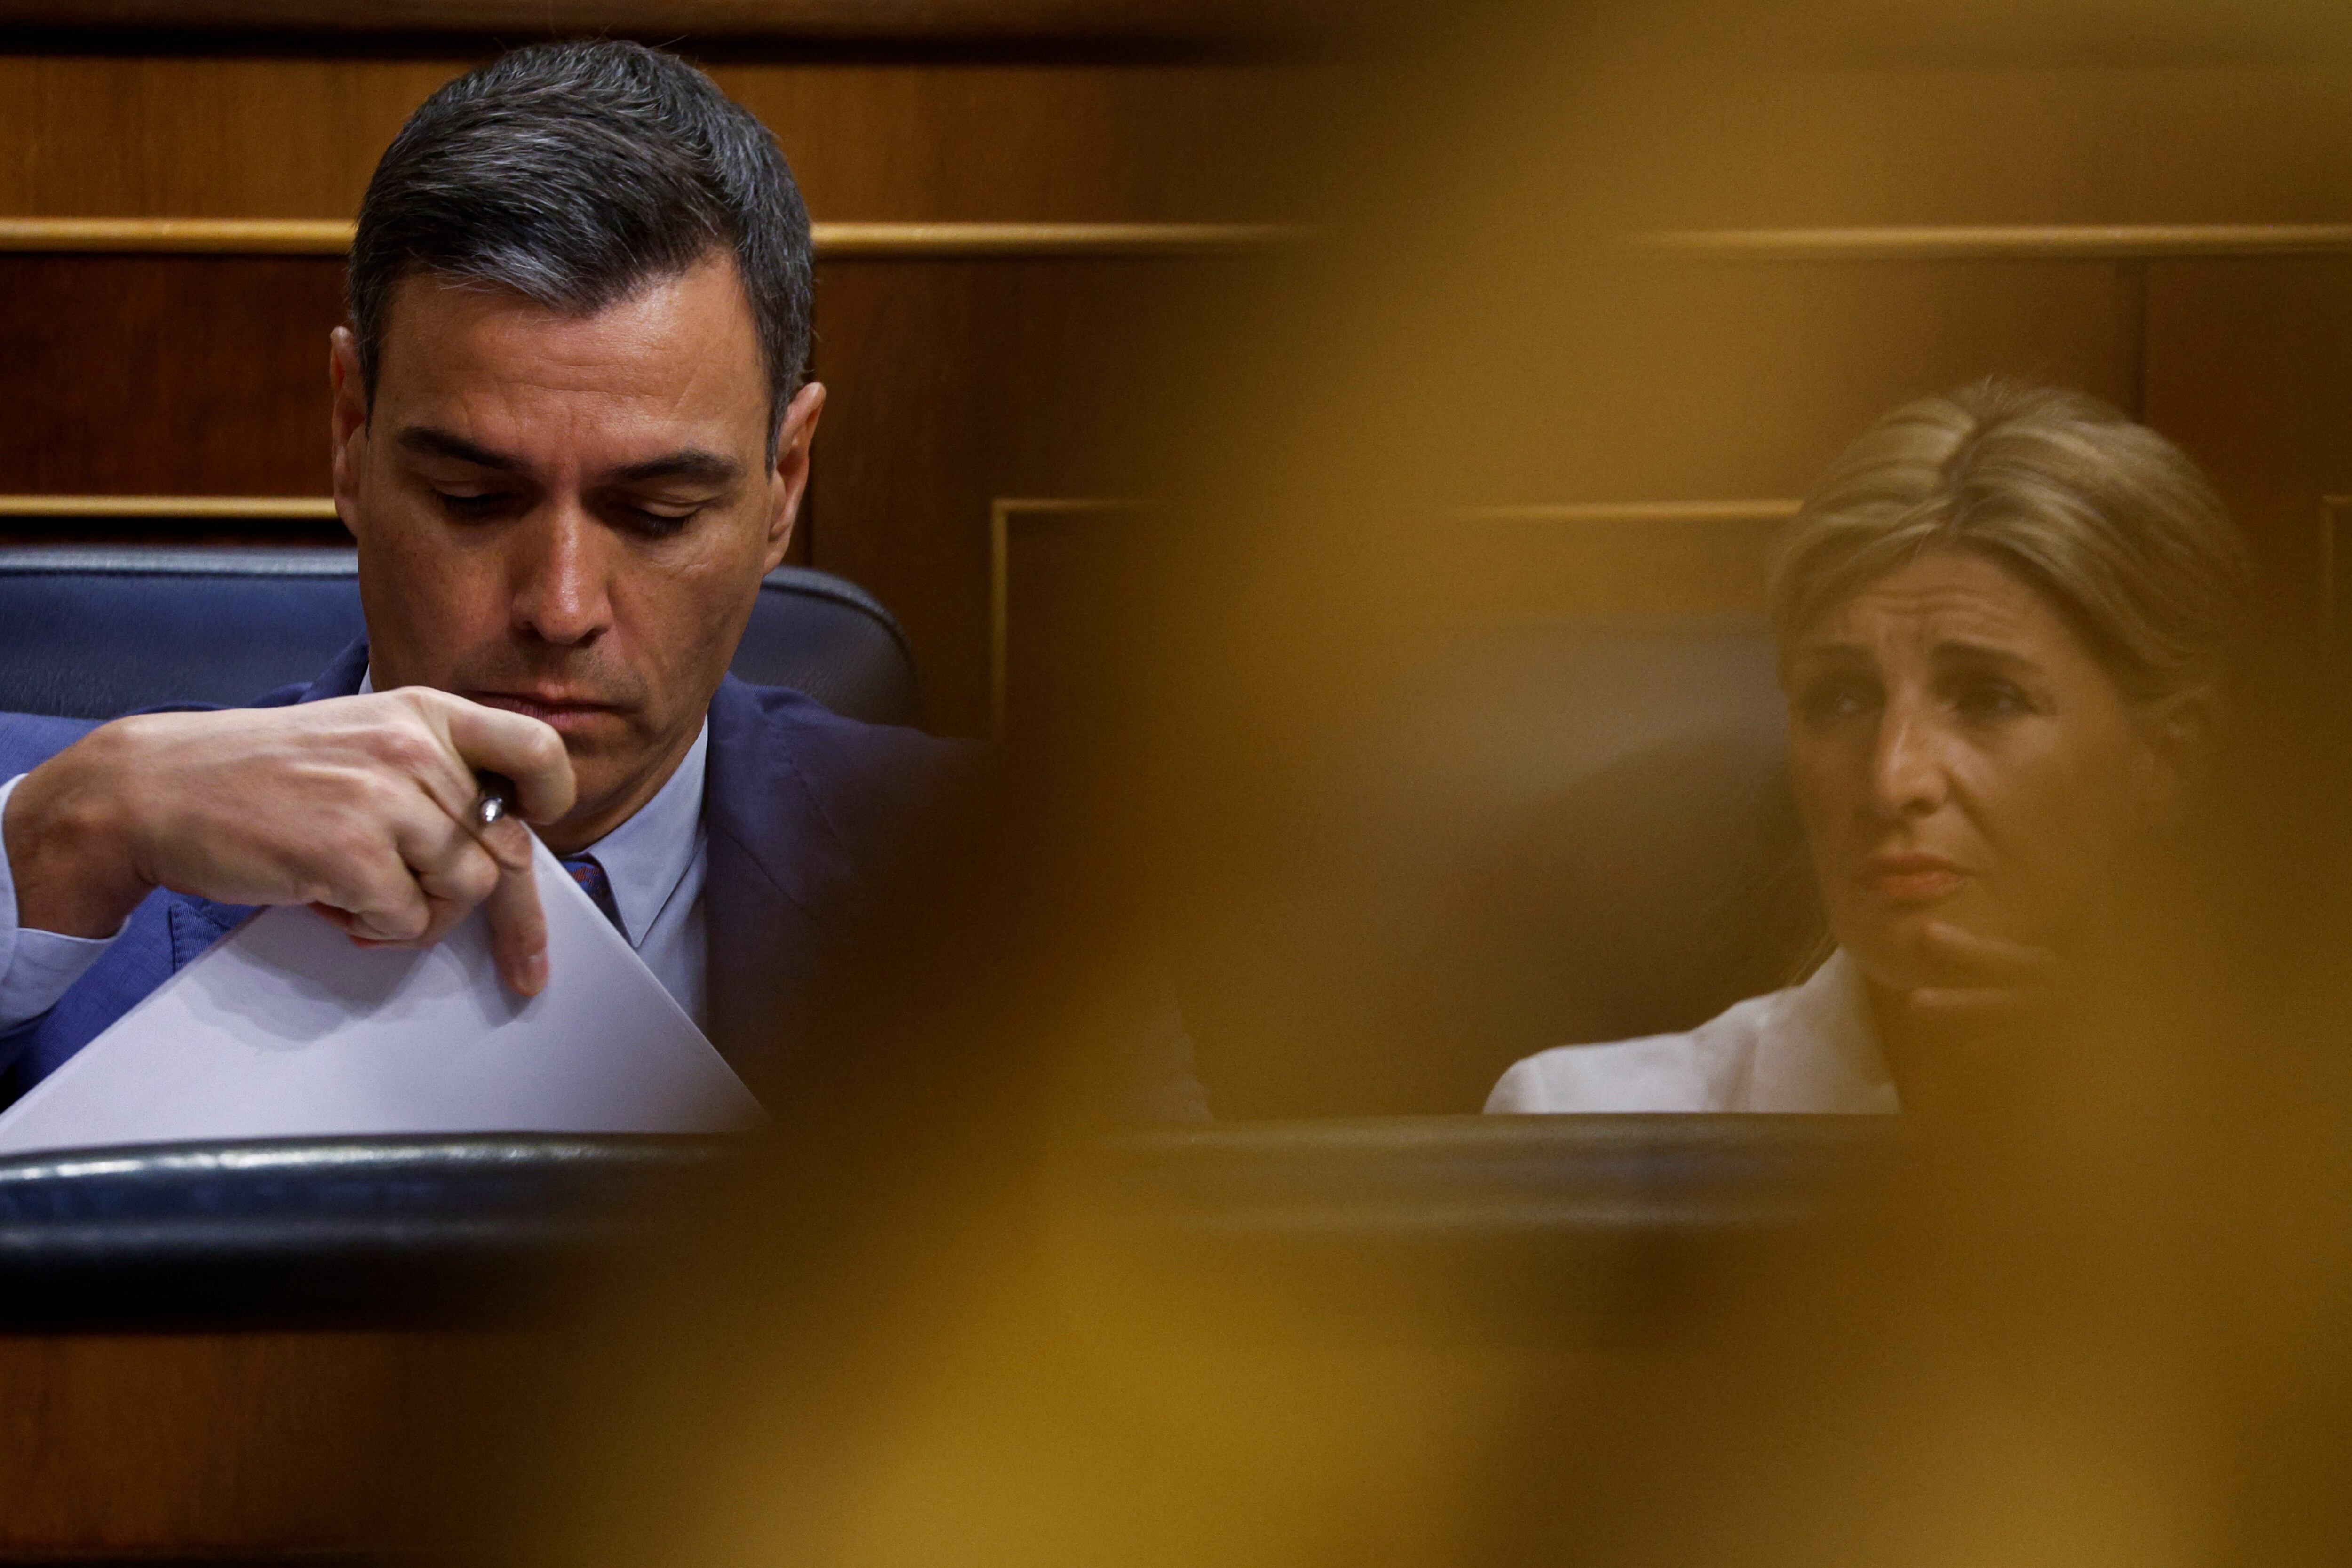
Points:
[[2000, 617]]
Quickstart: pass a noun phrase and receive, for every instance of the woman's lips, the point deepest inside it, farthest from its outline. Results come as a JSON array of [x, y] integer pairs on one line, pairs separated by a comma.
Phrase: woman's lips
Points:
[[1911, 878]]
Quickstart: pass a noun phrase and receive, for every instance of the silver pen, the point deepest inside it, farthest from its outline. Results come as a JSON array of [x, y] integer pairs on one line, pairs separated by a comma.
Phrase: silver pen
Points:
[[495, 799]]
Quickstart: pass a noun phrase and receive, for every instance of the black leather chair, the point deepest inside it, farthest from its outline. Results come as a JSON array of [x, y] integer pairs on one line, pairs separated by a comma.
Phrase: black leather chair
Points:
[[89, 633]]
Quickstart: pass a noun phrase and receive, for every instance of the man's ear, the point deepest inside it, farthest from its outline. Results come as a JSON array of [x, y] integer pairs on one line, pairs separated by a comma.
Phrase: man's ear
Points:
[[794, 432], [347, 420]]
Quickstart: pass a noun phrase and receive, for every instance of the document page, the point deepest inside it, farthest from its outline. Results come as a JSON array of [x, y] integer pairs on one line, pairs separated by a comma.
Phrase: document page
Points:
[[284, 1028]]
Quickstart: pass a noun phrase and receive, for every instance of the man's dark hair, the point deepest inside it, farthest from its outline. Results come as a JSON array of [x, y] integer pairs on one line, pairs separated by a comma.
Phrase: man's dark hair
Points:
[[575, 172]]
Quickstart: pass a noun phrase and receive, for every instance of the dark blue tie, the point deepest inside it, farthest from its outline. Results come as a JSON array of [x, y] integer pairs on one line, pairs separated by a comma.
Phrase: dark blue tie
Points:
[[596, 885]]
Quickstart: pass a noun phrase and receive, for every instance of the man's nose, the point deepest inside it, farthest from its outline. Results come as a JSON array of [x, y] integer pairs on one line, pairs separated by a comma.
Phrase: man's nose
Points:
[[561, 579], [1906, 766]]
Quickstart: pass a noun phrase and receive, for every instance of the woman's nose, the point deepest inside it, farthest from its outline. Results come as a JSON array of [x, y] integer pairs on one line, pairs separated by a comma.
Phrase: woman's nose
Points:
[[1907, 770]]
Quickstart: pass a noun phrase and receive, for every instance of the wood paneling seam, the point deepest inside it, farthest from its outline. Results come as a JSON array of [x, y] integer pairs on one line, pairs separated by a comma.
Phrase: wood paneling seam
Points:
[[1002, 513]]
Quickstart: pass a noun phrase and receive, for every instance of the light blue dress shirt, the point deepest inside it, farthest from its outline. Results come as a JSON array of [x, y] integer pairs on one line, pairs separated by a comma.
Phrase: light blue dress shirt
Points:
[[36, 966], [657, 862]]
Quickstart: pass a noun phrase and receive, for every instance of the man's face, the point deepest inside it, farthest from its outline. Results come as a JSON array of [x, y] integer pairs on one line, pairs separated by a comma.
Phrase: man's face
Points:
[[569, 516]]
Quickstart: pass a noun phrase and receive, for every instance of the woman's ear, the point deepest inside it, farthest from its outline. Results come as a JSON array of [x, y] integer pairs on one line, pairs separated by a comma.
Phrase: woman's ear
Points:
[[2179, 736]]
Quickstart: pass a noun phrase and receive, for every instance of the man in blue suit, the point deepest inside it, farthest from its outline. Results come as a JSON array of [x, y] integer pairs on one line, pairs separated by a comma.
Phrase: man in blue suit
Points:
[[571, 433]]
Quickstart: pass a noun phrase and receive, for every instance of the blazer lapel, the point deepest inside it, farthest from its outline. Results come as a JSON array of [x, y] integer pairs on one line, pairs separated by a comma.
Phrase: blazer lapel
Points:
[[341, 679], [773, 861]]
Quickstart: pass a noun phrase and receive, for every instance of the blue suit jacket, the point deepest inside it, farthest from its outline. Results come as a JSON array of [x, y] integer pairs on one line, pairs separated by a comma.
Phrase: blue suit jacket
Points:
[[805, 811]]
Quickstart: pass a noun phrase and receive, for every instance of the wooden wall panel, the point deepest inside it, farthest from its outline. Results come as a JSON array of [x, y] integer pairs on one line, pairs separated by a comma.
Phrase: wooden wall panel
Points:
[[1723, 381], [2191, 141], [2248, 366], [935, 23], [289, 137], [220, 135], [955, 383], [132, 136], [1197, 143], [167, 375]]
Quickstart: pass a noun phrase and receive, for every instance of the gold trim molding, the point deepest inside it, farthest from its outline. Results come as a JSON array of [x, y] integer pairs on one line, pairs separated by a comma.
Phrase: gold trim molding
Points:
[[2335, 594], [972, 241], [919, 241], [174, 508], [184, 235], [1615, 513], [949, 241], [834, 241], [2070, 242]]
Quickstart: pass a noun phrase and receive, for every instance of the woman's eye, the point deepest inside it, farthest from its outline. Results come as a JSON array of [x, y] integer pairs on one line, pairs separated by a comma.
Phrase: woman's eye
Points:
[[1991, 700], [1830, 701]]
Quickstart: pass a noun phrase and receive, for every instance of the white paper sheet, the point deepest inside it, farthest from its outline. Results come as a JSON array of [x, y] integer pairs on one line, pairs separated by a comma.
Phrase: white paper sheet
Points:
[[284, 1029]]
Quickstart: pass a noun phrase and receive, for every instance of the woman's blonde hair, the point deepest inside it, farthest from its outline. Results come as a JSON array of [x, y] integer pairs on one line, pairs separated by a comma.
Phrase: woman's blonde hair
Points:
[[2106, 518]]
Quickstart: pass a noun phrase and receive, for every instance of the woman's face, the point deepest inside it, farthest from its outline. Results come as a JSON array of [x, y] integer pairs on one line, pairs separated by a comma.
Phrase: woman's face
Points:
[[1958, 757]]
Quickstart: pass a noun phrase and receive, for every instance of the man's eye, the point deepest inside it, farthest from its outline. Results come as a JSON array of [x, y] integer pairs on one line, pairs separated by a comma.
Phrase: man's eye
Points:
[[471, 508], [658, 522]]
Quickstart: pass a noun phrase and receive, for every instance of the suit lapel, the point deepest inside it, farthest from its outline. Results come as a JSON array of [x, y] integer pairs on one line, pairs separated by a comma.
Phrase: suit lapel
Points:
[[773, 860], [341, 678]]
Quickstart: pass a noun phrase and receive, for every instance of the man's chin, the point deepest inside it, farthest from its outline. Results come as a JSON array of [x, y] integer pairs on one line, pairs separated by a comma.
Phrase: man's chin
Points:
[[614, 770]]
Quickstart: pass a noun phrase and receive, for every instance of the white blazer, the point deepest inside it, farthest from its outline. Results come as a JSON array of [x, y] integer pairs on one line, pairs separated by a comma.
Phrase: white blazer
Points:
[[1808, 1048]]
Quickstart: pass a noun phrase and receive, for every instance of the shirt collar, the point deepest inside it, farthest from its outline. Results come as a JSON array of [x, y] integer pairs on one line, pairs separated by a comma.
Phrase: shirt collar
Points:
[[1824, 1053], [647, 857]]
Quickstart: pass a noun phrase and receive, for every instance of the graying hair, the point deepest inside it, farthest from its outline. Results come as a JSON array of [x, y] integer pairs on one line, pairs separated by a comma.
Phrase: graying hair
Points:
[[2107, 519], [575, 174]]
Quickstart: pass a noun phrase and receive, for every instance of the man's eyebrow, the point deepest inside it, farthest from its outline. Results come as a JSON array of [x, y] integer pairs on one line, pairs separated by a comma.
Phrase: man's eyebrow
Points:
[[690, 463], [433, 443]]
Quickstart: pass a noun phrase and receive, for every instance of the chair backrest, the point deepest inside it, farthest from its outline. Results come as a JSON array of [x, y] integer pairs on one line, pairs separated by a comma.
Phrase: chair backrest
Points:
[[89, 633], [1563, 830]]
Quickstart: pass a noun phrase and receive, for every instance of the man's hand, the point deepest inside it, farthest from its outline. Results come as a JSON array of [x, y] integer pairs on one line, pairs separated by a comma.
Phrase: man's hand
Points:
[[362, 808]]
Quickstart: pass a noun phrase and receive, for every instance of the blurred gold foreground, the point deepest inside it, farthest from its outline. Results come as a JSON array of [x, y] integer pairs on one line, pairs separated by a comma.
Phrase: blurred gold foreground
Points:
[[2104, 1322]]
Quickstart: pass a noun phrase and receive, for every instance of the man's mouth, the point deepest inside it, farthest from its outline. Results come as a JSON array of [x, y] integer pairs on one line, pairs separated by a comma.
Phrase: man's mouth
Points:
[[563, 714]]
